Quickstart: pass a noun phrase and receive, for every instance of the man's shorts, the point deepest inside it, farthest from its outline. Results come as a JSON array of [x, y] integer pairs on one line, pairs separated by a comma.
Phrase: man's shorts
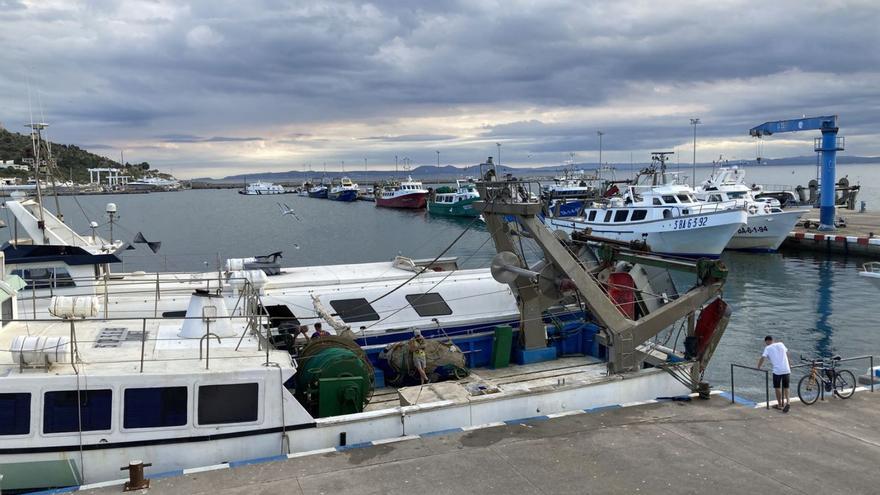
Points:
[[781, 381], [420, 362]]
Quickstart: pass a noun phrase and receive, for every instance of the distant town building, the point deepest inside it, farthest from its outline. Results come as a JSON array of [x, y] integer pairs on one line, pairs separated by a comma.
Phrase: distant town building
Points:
[[11, 164]]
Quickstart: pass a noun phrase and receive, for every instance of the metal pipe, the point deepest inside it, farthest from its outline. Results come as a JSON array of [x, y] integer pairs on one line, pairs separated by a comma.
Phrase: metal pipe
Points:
[[829, 158]]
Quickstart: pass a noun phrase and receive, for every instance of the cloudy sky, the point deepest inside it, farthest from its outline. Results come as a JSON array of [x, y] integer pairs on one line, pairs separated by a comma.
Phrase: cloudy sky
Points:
[[217, 88]]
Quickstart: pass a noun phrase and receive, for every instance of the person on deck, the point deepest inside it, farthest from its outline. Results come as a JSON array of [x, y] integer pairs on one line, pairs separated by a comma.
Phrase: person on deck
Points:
[[319, 332], [419, 356], [777, 354]]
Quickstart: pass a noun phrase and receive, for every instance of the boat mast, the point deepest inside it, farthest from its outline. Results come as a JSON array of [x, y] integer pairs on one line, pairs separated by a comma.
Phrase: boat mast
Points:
[[36, 138]]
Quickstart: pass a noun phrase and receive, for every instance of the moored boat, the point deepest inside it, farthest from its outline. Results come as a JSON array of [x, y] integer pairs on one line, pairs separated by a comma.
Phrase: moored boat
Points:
[[345, 190], [662, 214], [458, 202], [261, 188], [767, 224], [405, 194], [319, 191]]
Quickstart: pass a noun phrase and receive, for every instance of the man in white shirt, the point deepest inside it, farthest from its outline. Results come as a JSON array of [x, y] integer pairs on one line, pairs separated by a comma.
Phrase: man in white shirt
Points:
[[777, 354]]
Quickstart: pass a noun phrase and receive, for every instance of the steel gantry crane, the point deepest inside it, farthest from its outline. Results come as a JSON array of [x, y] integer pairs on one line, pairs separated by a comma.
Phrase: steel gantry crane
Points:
[[828, 145]]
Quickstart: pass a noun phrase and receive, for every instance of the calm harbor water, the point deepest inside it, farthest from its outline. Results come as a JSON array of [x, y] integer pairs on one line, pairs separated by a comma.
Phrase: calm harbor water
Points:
[[814, 303]]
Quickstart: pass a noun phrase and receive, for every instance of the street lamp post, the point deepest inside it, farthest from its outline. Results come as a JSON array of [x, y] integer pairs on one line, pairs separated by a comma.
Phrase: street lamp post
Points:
[[438, 158], [600, 133], [695, 123]]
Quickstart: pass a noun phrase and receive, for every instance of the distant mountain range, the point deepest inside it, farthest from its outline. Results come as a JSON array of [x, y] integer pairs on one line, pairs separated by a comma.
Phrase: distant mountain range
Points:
[[449, 172]]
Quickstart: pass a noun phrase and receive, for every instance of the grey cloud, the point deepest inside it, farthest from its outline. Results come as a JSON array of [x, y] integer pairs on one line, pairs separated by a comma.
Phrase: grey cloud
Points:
[[114, 71], [189, 138], [407, 138]]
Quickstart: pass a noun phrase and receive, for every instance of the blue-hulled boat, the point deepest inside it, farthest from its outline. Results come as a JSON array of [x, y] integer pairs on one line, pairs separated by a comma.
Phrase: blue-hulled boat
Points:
[[345, 190]]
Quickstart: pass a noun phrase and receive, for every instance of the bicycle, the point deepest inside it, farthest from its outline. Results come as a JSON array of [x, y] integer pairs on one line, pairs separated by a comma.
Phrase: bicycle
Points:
[[825, 374]]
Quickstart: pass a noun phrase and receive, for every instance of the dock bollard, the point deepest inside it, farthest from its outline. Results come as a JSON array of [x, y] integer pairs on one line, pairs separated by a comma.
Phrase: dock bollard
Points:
[[136, 480], [703, 390]]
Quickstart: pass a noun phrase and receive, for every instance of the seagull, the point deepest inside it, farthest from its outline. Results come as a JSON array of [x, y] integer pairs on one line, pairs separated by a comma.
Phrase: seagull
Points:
[[287, 210]]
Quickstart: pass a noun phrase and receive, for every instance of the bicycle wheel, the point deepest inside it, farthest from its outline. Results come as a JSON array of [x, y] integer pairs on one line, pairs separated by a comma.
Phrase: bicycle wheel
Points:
[[844, 384], [809, 389]]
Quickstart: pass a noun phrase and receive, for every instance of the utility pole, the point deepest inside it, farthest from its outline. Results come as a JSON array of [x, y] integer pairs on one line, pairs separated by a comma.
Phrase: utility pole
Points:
[[438, 158], [499, 152], [695, 122], [600, 133]]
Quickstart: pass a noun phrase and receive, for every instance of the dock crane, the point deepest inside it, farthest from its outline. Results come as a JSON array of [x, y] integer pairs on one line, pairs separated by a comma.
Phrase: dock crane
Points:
[[829, 144]]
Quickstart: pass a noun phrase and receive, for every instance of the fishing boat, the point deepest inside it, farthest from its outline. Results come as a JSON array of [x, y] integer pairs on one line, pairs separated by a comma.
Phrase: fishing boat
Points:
[[261, 188], [404, 194], [768, 224], [573, 184], [83, 395], [319, 191], [458, 202], [345, 190], [303, 190], [659, 212]]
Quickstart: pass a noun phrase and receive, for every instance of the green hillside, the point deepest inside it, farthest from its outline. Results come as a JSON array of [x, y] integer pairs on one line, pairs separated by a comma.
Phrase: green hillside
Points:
[[70, 158]]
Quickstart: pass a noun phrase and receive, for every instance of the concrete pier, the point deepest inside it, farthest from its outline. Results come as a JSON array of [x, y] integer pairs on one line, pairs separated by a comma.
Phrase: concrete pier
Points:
[[666, 447], [860, 237]]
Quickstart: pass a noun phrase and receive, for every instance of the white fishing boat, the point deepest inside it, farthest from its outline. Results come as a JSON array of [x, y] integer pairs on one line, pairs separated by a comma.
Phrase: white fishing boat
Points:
[[768, 224], [261, 188], [661, 213], [83, 396], [871, 272]]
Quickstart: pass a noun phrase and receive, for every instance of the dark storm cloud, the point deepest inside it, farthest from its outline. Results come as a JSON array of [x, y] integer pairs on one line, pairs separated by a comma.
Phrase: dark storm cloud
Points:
[[132, 69]]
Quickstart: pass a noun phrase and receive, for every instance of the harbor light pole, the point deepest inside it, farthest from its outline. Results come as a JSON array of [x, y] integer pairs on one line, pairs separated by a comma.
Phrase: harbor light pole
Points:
[[438, 158], [695, 123], [499, 152], [600, 133]]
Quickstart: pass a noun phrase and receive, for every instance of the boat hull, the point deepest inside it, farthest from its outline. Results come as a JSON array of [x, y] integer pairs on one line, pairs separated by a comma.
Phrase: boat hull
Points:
[[318, 194], [347, 195], [697, 236], [413, 201], [765, 232], [461, 209]]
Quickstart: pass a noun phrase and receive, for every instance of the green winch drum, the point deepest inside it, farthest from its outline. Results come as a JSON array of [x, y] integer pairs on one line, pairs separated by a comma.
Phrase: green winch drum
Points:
[[333, 378]]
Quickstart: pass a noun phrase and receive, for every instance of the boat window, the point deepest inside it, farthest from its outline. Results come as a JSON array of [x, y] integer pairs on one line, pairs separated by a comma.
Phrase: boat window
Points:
[[60, 413], [620, 215], [6, 311], [15, 414], [223, 404], [684, 198], [278, 314], [715, 198], [639, 215], [669, 199], [63, 278], [429, 304], [154, 407], [591, 216], [656, 202], [354, 310], [607, 216], [736, 195]]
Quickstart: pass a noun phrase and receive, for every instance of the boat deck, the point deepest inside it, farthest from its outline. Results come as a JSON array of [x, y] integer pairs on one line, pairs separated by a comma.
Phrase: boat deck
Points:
[[696, 447], [567, 370], [861, 236]]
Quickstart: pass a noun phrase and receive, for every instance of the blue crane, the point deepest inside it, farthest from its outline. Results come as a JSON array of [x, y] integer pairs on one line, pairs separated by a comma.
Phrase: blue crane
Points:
[[828, 145]]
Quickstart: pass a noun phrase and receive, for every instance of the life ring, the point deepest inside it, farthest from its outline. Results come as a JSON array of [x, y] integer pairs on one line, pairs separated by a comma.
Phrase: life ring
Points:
[[753, 209], [767, 209]]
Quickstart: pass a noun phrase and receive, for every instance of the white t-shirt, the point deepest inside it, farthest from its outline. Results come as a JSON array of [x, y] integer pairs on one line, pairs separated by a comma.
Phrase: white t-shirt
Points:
[[778, 356]]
